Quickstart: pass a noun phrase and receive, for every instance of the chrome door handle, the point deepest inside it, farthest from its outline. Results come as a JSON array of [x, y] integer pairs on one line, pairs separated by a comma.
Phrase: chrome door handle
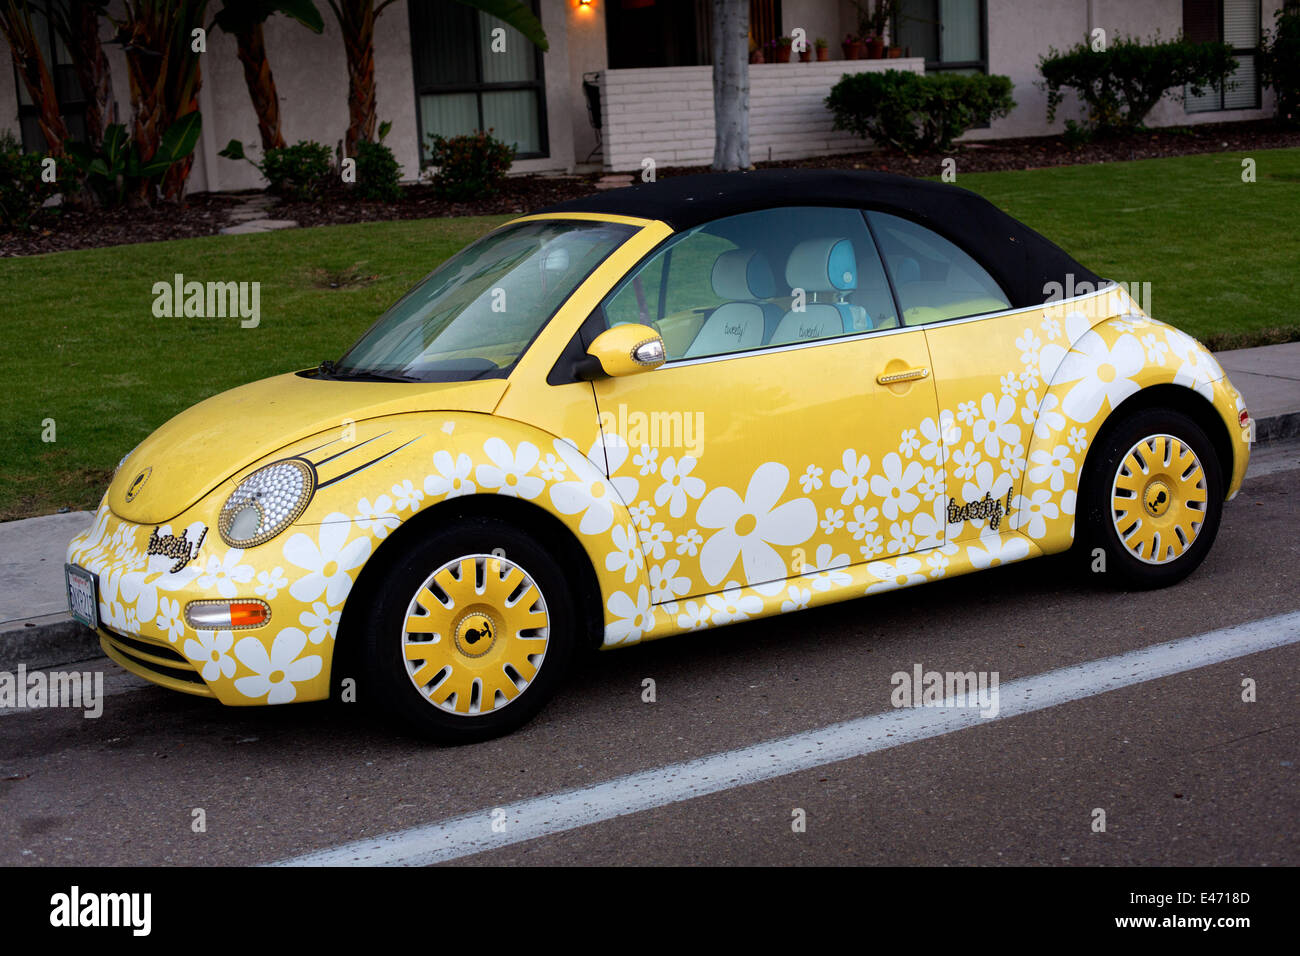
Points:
[[908, 375]]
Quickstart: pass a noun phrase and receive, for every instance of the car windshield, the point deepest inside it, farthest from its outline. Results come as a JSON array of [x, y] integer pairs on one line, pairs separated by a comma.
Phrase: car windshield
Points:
[[474, 315]]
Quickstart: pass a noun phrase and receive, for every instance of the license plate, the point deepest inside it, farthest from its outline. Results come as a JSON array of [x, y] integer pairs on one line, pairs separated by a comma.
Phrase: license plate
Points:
[[83, 601]]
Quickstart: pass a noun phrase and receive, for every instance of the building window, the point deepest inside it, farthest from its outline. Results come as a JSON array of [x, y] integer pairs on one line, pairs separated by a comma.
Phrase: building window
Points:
[[462, 85], [950, 34], [67, 89], [1236, 23]]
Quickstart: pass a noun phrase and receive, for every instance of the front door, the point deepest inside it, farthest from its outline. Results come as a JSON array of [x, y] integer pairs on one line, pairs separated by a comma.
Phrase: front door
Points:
[[793, 430]]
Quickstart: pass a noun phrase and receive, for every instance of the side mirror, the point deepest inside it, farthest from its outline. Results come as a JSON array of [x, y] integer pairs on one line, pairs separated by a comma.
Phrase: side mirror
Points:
[[623, 350]]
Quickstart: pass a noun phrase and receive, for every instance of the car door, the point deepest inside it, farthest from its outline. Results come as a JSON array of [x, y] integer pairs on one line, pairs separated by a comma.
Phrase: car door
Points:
[[986, 363], [793, 429]]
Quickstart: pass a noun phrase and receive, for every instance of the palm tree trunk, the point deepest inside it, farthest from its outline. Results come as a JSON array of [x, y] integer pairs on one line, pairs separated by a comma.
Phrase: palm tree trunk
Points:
[[16, 25], [357, 24], [730, 84], [92, 71], [251, 46]]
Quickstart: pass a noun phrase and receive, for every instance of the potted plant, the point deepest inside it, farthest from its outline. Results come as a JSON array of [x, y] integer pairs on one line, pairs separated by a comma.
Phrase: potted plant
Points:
[[783, 49], [823, 49], [852, 47], [875, 44], [805, 55]]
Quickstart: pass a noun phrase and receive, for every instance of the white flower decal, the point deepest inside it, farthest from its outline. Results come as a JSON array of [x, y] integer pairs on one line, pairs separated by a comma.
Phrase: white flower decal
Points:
[[852, 477], [1032, 512], [508, 473], [1101, 373], [170, 620], [589, 492], [895, 486], [825, 572], [321, 622], [632, 618], [270, 583], [452, 478], [407, 496], [212, 650], [224, 574], [995, 425], [275, 674], [377, 518], [327, 560], [626, 556], [1051, 467], [666, 585], [747, 529], [895, 574], [678, 486], [731, 606]]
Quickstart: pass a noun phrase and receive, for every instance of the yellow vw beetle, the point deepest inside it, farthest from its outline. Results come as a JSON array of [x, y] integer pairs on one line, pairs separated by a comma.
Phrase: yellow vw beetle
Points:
[[657, 410]]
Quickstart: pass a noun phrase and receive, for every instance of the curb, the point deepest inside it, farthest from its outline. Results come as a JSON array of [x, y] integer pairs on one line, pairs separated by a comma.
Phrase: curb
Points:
[[48, 645], [63, 640]]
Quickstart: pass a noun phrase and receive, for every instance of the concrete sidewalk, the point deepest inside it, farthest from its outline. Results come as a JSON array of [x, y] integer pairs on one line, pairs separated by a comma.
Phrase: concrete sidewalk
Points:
[[35, 627]]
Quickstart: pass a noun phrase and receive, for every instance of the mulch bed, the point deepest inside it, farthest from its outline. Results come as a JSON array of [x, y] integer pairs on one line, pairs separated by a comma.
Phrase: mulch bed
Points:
[[203, 214]]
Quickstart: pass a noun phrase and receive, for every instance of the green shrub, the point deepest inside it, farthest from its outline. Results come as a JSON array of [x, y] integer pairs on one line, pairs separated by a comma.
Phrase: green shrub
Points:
[[379, 175], [21, 189], [914, 112], [301, 171], [1121, 84], [1280, 64], [469, 166]]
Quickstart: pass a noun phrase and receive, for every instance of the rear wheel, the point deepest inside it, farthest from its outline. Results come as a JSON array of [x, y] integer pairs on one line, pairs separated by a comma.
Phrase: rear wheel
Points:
[[1153, 499], [472, 631]]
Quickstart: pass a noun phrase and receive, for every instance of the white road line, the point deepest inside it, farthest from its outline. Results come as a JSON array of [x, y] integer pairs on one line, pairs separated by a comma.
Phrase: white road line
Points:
[[556, 813]]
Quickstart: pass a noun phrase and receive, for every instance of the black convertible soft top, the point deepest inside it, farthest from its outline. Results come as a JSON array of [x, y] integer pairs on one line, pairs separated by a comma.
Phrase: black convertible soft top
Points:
[[1023, 262]]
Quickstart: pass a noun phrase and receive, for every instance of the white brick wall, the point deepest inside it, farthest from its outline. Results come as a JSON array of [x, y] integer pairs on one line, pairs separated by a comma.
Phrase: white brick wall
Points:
[[667, 113]]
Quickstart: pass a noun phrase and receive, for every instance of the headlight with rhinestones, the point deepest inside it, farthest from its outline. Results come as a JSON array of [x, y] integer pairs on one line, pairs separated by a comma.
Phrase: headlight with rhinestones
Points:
[[266, 502]]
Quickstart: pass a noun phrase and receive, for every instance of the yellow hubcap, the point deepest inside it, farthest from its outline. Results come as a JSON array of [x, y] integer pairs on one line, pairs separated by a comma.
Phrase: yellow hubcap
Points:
[[475, 634], [1158, 499]]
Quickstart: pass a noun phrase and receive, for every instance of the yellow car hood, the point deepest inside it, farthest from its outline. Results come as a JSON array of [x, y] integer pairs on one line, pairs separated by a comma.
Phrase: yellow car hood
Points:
[[206, 444]]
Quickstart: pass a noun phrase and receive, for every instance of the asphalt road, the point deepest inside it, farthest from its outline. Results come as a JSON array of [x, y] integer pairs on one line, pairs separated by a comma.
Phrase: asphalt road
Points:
[[1185, 771]]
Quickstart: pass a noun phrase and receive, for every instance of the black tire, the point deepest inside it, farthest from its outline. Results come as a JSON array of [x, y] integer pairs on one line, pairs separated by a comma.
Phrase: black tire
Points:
[[390, 680], [1098, 518]]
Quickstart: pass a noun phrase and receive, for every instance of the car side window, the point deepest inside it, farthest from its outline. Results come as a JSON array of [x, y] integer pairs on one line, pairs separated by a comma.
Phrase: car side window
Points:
[[934, 279], [757, 280]]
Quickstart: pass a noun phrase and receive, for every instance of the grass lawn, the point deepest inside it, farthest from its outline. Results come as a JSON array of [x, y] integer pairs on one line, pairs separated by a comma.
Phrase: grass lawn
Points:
[[82, 346]]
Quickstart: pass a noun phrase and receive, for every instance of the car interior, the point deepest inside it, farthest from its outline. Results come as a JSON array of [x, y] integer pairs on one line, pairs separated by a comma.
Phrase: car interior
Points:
[[791, 275]]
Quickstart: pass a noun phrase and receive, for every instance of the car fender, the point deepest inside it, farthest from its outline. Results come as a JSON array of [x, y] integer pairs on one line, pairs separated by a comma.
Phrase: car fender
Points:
[[1106, 364], [397, 468]]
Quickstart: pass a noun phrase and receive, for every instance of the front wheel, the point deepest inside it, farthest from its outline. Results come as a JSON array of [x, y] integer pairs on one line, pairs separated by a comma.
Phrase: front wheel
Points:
[[1153, 498], [472, 630]]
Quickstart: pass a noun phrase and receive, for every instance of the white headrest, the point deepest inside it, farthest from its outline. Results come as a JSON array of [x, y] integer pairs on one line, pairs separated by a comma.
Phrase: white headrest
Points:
[[743, 274], [732, 327], [816, 321], [822, 265]]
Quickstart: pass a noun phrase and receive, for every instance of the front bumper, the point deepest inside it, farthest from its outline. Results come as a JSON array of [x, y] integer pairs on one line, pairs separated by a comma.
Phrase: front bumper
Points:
[[142, 597]]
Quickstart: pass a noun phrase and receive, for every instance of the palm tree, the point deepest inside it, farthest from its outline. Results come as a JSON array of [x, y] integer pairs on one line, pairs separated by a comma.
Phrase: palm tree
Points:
[[16, 24], [77, 23], [165, 76], [243, 20], [730, 84], [356, 19]]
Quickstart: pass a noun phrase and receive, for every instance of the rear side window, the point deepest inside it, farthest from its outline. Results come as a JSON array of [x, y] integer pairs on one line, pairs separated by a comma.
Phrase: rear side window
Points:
[[934, 279]]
